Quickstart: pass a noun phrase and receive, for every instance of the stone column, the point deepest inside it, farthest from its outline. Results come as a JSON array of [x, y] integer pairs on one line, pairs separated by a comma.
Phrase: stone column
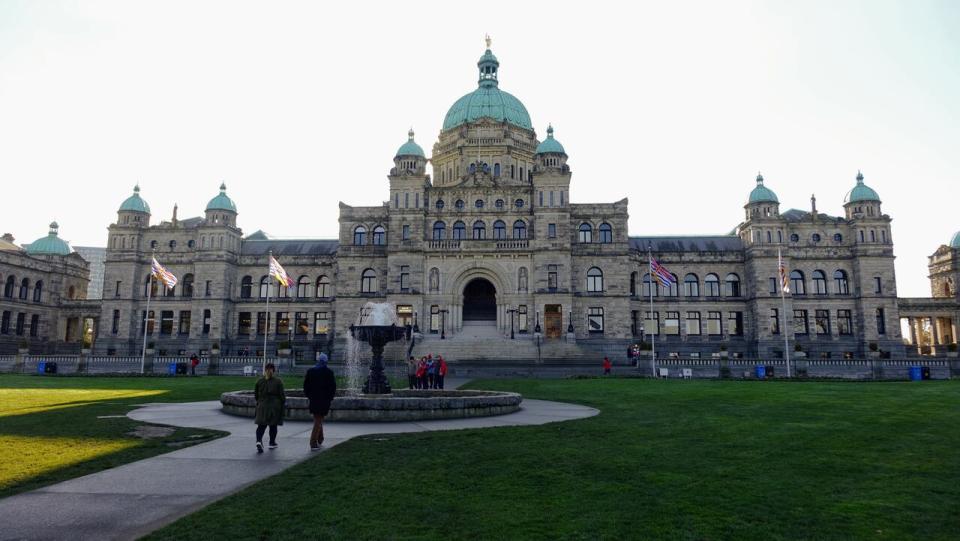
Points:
[[912, 323]]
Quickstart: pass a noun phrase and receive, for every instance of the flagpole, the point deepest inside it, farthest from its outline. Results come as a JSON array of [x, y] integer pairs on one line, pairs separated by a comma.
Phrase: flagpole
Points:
[[266, 322], [146, 316], [783, 299], [653, 338]]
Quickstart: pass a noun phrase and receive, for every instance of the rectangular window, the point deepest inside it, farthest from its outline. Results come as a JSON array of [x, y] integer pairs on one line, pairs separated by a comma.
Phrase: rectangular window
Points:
[[283, 324], [35, 325], [714, 323], [595, 320], [651, 325], [321, 323], [844, 322], [244, 323], [561, 198], [262, 323], [552, 231], [821, 321], [406, 232], [208, 288], [693, 323], [774, 321], [302, 324], [522, 318], [149, 320], [396, 200], [551, 198], [671, 323], [5, 322], [21, 323], [434, 319], [116, 292], [801, 323], [406, 200], [404, 315], [552, 277], [115, 325], [877, 285], [404, 278], [881, 322], [166, 322], [184, 327], [735, 323], [541, 198], [206, 321], [773, 286], [416, 200]]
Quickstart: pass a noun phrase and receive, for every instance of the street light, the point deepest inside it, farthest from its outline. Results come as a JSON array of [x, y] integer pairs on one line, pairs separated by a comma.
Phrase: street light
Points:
[[443, 324], [511, 311]]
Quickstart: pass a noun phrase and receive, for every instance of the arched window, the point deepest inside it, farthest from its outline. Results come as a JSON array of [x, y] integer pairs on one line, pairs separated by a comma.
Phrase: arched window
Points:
[[303, 287], [150, 287], [499, 230], [439, 204], [9, 286], [522, 280], [38, 291], [323, 287], [691, 285], [633, 284], [439, 230], [187, 285], [794, 237], [797, 283], [24, 289], [733, 285], [645, 289], [459, 204], [586, 233], [840, 279], [246, 287], [479, 230], [459, 230], [359, 236], [496, 169], [379, 236], [769, 237], [71, 292], [264, 287], [368, 281], [819, 282], [837, 237], [519, 229], [594, 280], [711, 285], [606, 233]]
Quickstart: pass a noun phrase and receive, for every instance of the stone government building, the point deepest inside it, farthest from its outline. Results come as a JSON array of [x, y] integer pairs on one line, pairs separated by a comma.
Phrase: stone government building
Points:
[[488, 246]]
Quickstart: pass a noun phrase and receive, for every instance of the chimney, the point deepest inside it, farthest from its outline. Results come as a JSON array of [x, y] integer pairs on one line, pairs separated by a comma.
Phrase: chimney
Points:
[[174, 214]]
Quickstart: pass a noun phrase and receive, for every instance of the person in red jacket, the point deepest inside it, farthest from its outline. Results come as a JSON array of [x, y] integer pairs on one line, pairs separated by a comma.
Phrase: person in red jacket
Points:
[[607, 365], [422, 373], [441, 372]]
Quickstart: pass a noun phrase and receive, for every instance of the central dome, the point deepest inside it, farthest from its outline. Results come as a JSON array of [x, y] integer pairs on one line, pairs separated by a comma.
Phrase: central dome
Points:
[[488, 101]]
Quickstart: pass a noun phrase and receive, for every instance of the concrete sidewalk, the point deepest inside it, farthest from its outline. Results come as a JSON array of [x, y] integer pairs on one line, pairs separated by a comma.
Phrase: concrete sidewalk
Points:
[[134, 499]]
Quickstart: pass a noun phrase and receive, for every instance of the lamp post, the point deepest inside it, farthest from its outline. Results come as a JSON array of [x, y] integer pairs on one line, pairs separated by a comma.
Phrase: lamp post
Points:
[[443, 324], [511, 311], [570, 324]]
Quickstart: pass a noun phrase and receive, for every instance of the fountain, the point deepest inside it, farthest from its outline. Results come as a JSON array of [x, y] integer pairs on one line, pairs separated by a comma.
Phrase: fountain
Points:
[[376, 325]]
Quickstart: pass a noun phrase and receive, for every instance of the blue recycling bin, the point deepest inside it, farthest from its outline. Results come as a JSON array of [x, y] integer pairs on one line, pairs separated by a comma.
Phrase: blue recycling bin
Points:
[[761, 371], [42, 367], [172, 369], [916, 374]]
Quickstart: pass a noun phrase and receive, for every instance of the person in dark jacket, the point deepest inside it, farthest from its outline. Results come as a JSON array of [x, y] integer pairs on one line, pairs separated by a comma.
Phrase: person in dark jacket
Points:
[[319, 386], [271, 400]]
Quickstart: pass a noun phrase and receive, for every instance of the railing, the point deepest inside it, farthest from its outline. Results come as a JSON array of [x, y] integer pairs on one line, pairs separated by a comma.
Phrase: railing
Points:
[[478, 245]]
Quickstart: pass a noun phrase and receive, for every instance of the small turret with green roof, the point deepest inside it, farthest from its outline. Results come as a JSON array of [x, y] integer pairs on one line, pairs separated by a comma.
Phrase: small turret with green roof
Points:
[[955, 241], [862, 202], [762, 194], [52, 244], [550, 145], [222, 201], [410, 148], [135, 203], [861, 192]]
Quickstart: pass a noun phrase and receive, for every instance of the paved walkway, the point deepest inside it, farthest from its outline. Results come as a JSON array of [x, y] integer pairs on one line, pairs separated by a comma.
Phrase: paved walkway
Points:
[[134, 499]]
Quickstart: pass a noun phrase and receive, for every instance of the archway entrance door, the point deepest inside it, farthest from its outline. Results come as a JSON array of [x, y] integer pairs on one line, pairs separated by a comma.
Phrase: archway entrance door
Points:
[[553, 320], [480, 301]]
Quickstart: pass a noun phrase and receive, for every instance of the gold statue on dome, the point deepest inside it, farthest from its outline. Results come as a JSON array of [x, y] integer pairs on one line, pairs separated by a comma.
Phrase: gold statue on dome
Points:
[[488, 40]]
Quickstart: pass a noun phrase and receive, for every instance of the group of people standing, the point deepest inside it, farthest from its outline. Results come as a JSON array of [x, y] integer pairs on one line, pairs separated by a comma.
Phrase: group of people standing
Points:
[[319, 386], [426, 373]]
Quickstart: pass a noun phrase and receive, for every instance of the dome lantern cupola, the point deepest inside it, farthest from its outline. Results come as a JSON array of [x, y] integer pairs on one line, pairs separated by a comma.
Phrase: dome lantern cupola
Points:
[[763, 202], [862, 200], [221, 209], [488, 65], [410, 158], [52, 244], [134, 210], [550, 152], [488, 101]]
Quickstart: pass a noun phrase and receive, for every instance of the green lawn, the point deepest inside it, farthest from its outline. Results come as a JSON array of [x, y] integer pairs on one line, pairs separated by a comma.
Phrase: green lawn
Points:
[[57, 428], [664, 459]]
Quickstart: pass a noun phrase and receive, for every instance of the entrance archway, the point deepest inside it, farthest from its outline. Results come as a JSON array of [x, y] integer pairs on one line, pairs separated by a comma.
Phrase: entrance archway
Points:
[[480, 301]]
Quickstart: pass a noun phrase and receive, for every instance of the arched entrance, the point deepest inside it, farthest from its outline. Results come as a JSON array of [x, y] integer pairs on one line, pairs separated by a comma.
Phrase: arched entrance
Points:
[[480, 301]]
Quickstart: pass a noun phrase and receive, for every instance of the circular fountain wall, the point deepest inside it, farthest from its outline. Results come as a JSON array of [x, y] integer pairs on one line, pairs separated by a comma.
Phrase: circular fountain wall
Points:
[[408, 405]]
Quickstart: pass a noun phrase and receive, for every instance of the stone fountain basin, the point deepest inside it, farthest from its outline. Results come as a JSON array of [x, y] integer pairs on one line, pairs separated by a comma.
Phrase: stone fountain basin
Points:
[[405, 405]]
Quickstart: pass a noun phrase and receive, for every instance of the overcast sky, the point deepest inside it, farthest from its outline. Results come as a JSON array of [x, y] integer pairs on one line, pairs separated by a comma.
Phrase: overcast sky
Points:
[[298, 106]]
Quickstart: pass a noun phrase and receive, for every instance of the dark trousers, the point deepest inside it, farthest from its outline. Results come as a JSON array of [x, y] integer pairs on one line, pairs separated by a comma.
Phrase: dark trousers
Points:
[[429, 381], [439, 381], [263, 428], [412, 380]]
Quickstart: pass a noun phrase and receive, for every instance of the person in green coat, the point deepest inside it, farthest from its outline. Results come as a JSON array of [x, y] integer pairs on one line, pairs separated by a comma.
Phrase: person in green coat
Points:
[[271, 401]]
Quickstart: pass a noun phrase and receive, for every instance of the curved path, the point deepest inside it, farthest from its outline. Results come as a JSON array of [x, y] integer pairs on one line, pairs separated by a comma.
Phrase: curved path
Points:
[[134, 499]]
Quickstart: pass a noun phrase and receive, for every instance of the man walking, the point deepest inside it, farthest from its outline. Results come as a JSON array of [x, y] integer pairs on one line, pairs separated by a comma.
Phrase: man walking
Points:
[[319, 386]]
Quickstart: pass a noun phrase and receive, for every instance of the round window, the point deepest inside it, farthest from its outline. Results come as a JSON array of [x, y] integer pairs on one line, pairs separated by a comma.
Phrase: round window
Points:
[[173, 244], [794, 238], [439, 204], [459, 204], [499, 203], [837, 237], [191, 243], [153, 244], [816, 237], [479, 203], [518, 203]]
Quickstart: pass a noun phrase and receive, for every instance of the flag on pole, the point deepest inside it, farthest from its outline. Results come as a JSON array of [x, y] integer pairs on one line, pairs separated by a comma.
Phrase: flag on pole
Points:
[[784, 278], [661, 273], [163, 275], [276, 270]]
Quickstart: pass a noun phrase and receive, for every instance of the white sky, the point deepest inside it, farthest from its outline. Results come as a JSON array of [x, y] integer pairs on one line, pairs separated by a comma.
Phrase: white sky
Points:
[[299, 106]]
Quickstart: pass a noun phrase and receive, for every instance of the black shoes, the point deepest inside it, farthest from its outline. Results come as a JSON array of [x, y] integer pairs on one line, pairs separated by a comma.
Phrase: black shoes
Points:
[[273, 445], [259, 448]]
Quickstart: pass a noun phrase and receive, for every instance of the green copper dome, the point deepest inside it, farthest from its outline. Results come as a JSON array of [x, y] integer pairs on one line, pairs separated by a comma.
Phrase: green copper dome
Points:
[[550, 144], [135, 203], [955, 241], [861, 192], [762, 194], [52, 244], [410, 148], [488, 101], [221, 201]]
